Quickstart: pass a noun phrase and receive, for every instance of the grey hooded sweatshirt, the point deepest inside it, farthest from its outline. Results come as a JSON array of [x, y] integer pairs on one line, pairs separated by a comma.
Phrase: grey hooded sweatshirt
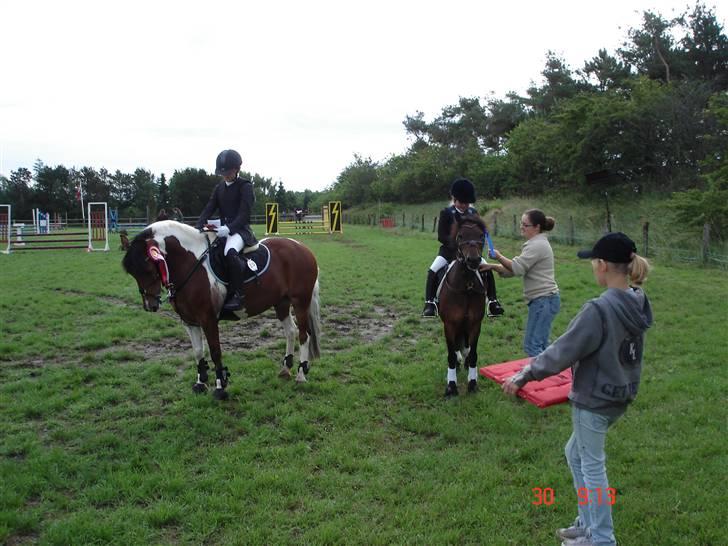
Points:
[[603, 344]]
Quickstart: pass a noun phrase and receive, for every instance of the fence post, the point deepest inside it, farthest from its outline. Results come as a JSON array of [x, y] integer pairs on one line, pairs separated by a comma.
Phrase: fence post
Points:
[[571, 231], [706, 243], [646, 238], [423, 223], [515, 230], [434, 224], [495, 224]]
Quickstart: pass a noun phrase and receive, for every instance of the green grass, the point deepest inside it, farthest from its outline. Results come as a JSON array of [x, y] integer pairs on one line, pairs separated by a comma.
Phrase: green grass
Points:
[[103, 441]]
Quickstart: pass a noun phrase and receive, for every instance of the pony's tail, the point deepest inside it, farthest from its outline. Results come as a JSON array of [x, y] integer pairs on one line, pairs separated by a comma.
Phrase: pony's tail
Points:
[[314, 323]]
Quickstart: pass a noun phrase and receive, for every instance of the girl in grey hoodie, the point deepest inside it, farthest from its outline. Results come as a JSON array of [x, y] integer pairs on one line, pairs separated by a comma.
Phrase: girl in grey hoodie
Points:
[[603, 344]]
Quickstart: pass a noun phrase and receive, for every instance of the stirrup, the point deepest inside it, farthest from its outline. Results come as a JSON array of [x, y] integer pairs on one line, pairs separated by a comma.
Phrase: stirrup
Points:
[[430, 309]]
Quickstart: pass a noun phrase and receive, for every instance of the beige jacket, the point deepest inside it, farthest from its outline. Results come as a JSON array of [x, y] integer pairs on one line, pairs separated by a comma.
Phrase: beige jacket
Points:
[[535, 264]]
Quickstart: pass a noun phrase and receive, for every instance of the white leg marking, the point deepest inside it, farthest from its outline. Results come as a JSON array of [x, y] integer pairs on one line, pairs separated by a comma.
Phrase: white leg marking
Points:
[[452, 375], [472, 374], [304, 350], [198, 341], [289, 330]]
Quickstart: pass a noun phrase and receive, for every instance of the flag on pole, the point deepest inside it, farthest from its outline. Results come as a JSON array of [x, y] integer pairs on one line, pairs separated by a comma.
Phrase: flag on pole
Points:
[[79, 197]]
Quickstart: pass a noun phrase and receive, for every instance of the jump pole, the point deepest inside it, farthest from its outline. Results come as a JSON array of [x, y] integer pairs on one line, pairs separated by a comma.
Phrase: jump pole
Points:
[[94, 226], [5, 223]]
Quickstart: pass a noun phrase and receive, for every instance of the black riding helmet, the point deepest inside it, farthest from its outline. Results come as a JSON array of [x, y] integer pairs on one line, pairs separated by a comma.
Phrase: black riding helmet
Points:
[[226, 160], [463, 190]]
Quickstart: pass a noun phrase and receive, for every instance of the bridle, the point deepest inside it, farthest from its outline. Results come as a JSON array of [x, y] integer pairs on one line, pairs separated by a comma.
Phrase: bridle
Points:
[[146, 296], [460, 243], [161, 271]]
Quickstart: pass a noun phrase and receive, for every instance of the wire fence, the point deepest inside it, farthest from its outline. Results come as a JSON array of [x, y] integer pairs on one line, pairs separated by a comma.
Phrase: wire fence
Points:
[[678, 246]]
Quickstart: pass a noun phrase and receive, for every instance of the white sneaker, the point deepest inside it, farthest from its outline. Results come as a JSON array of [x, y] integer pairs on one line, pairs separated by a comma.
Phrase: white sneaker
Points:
[[571, 533], [580, 541]]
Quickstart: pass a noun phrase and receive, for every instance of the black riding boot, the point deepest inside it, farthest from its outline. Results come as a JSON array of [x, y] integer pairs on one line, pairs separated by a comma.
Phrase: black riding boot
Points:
[[430, 309], [494, 307], [235, 267]]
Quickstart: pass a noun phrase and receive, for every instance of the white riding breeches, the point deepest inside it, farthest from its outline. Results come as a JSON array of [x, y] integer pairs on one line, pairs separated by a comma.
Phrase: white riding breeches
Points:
[[234, 241], [441, 262], [438, 264]]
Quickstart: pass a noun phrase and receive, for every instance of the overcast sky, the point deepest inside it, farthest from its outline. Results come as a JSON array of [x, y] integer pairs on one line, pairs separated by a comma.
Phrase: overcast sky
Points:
[[297, 87]]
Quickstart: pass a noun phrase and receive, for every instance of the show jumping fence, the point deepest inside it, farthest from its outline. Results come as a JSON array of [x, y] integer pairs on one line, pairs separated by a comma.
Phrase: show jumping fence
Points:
[[329, 221], [15, 236]]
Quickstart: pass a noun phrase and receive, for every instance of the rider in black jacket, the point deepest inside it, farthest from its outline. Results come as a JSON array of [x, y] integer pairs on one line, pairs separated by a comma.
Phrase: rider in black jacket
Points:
[[233, 197], [463, 195]]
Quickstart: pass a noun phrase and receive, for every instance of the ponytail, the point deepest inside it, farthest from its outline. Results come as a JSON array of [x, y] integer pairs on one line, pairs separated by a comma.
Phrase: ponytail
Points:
[[638, 269]]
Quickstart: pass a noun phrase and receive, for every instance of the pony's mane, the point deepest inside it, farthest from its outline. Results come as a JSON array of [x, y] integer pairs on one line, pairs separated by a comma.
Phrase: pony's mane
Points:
[[172, 227], [189, 237]]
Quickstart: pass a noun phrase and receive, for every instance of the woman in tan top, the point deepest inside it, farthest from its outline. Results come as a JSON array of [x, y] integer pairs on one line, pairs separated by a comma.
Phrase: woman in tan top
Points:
[[536, 265]]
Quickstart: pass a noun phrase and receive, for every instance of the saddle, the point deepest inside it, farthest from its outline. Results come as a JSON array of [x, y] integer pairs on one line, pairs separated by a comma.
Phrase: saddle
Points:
[[255, 263]]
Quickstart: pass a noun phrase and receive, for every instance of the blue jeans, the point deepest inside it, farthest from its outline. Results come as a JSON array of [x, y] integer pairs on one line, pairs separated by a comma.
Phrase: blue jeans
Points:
[[541, 313], [587, 461]]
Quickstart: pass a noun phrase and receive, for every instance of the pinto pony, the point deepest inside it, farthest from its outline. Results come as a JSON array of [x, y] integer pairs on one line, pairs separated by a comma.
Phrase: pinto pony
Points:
[[462, 301], [175, 256]]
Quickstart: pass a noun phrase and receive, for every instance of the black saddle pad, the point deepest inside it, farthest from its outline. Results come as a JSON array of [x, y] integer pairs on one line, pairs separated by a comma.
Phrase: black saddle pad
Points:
[[261, 258]]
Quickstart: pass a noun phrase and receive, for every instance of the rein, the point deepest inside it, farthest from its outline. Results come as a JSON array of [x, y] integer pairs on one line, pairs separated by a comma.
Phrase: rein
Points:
[[174, 290], [469, 286]]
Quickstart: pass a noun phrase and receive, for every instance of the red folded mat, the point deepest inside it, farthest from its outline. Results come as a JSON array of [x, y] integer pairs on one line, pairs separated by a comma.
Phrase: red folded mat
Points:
[[547, 392]]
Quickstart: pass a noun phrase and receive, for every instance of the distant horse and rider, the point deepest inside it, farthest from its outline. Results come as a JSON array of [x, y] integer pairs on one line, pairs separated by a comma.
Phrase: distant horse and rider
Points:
[[282, 274], [174, 214]]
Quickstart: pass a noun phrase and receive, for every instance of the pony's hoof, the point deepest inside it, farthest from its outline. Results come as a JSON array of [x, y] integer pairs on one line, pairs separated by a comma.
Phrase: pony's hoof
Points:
[[451, 389], [220, 394], [285, 373], [472, 386], [300, 376], [199, 388]]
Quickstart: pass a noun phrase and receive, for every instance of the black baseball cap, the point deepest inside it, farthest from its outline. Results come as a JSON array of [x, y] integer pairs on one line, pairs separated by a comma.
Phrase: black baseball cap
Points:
[[613, 247]]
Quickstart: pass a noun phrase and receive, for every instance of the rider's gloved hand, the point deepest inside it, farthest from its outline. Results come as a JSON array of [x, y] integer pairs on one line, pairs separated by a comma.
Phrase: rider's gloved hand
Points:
[[223, 231]]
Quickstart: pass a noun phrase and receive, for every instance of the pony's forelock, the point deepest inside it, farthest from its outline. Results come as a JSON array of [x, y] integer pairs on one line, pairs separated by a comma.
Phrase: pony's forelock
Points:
[[134, 261], [474, 219]]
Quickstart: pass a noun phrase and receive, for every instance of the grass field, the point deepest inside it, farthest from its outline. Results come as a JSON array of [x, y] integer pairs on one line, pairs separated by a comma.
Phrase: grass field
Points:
[[103, 441]]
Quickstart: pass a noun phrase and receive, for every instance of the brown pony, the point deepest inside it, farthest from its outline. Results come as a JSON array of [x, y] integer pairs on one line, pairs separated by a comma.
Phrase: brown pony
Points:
[[175, 256], [462, 301]]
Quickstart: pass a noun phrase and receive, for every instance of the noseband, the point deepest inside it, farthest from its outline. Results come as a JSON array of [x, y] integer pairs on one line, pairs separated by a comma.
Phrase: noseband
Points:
[[146, 295]]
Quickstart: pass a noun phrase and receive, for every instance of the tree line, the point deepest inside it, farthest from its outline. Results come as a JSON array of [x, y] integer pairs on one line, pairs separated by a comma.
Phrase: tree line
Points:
[[140, 194], [650, 117]]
